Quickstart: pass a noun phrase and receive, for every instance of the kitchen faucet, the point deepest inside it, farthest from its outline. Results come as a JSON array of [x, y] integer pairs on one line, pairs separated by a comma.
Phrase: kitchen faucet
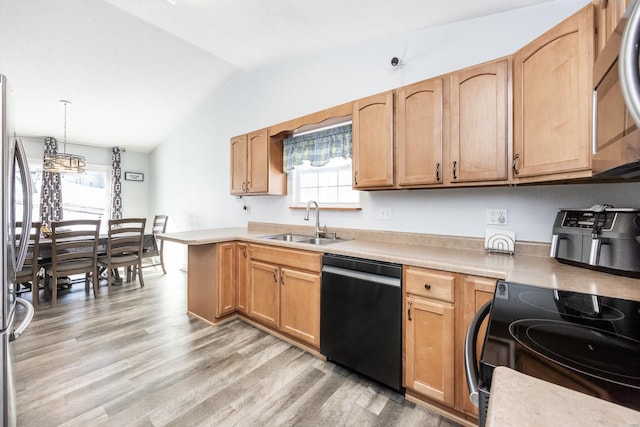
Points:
[[319, 231]]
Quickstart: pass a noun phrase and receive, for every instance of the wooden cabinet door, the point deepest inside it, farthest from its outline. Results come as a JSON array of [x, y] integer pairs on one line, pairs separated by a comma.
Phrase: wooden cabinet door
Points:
[[226, 279], [552, 99], [420, 136], [429, 346], [476, 291], [258, 161], [264, 296], [372, 124], [242, 275], [238, 164], [300, 305], [607, 16], [479, 118]]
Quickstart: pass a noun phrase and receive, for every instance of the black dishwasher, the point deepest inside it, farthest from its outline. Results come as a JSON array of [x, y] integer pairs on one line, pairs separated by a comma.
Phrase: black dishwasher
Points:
[[360, 319]]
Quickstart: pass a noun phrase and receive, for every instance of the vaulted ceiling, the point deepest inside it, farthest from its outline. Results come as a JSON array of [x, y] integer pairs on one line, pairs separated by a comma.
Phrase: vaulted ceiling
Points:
[[134, 69]]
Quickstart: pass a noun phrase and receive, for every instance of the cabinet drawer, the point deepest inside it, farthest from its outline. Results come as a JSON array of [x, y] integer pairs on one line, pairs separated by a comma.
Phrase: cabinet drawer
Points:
[[429, 283], [302, 260]]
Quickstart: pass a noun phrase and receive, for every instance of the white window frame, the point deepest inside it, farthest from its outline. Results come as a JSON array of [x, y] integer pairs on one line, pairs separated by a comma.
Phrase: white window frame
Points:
[[33, 163], [295, 183]]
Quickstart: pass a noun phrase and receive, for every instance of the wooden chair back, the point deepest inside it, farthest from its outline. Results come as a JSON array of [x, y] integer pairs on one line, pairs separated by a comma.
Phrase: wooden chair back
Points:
[[74, 250], [125, 247], [126, 237], [159, 224]]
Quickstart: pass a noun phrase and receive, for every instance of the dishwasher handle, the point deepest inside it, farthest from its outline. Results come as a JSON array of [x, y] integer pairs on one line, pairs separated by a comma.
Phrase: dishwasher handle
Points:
[[362, 275], [470, 356]]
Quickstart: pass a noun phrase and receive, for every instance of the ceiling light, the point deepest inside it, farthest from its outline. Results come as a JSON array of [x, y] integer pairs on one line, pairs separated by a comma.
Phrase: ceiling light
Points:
[[64, 163]]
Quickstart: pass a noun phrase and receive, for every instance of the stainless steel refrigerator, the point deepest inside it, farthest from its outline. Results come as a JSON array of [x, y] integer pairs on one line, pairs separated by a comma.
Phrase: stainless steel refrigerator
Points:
[[16, 190]]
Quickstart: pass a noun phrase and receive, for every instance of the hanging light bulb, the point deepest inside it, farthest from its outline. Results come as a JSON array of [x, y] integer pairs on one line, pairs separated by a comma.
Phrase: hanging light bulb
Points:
[[63, 162]]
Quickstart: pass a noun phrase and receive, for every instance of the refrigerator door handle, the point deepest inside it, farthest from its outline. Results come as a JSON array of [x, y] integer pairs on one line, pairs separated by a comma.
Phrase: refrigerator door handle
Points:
[[628, 63], [25, 322], [27, 192]]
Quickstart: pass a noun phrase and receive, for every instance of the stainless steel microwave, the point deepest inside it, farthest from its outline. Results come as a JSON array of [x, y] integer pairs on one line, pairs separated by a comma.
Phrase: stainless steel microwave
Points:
[[616, 101]]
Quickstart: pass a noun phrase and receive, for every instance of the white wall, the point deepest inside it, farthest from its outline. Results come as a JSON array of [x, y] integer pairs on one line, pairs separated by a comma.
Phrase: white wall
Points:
[[135, 195], [190, 170]]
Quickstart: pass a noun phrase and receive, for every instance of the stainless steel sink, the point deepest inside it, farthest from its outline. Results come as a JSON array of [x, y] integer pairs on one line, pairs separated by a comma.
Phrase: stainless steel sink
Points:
[[321, 241], [288, 237], [302, 238]]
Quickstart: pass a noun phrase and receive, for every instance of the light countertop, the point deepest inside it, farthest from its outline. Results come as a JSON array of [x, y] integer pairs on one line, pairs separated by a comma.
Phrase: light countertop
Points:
[[518, 400], [533, 270]]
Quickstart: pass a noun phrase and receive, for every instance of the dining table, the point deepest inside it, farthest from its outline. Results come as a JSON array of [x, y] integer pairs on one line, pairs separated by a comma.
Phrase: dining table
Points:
[[149, 245]]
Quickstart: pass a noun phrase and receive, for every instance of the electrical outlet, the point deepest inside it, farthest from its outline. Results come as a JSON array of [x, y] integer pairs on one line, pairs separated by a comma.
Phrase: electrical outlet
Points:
[[384, 213], [246, 209], [497, 217]]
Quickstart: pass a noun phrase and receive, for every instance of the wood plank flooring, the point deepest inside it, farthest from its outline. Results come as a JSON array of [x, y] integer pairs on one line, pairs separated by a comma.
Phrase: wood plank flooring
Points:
[[135, 358]]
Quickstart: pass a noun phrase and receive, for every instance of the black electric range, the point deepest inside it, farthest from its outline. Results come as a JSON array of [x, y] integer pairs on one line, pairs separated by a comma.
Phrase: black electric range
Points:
[[583, 342]]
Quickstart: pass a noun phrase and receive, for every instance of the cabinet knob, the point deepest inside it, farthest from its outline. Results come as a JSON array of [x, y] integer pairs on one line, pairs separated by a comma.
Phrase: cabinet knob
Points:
[[427, 286]]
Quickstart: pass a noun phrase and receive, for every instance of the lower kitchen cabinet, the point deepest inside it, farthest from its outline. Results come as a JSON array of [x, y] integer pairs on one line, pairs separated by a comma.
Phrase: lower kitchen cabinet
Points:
[[227, 289], [429, 333], [264, 295], [300, 305], [242, 275], [211, 283], [429, 342], [439, 307], [284, 291]]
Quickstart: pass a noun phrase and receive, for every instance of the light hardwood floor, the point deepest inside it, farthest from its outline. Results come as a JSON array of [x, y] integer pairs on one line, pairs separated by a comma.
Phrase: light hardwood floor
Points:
[[135, 357]]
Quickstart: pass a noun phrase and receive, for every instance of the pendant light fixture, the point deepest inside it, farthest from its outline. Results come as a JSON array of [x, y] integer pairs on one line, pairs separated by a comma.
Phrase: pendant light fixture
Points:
[[64, 163]]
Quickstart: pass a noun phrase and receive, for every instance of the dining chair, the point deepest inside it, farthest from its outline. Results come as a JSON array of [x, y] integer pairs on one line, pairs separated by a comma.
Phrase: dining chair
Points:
[[74, 250], [28, 276], [124, 247], [159, 226]]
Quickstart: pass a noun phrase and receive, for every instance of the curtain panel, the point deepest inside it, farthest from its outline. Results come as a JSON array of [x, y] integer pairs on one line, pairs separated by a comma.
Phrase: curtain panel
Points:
[[317, 147], [51, 194], [116, 184]]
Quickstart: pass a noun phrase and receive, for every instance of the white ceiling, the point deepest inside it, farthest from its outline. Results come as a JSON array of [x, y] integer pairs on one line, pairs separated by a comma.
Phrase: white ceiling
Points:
[[134, 69]]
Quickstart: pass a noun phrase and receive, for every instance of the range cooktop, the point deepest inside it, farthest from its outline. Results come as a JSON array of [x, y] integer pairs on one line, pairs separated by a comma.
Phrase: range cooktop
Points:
[[584, 342]]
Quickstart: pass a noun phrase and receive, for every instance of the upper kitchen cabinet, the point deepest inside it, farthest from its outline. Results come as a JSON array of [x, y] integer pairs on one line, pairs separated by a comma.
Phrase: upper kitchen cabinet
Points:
[[479, 123], [552, 102], [373, 142], [607, 16], [256, 164], [419, 119]]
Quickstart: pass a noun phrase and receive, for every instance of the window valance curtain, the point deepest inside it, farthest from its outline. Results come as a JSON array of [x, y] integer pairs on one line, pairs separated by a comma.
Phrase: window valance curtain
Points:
[[116, 183], [317, 147]]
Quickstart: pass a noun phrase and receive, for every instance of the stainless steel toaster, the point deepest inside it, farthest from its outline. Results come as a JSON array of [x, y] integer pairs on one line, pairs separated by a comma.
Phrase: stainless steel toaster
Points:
[[600, 238]]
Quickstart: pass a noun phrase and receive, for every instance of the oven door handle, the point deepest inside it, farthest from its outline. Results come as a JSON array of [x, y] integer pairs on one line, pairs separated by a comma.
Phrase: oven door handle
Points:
[[470, 356]]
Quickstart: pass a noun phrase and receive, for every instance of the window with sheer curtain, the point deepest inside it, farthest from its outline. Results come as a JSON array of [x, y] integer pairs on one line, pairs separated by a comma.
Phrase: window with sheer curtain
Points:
[[319, 167]]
